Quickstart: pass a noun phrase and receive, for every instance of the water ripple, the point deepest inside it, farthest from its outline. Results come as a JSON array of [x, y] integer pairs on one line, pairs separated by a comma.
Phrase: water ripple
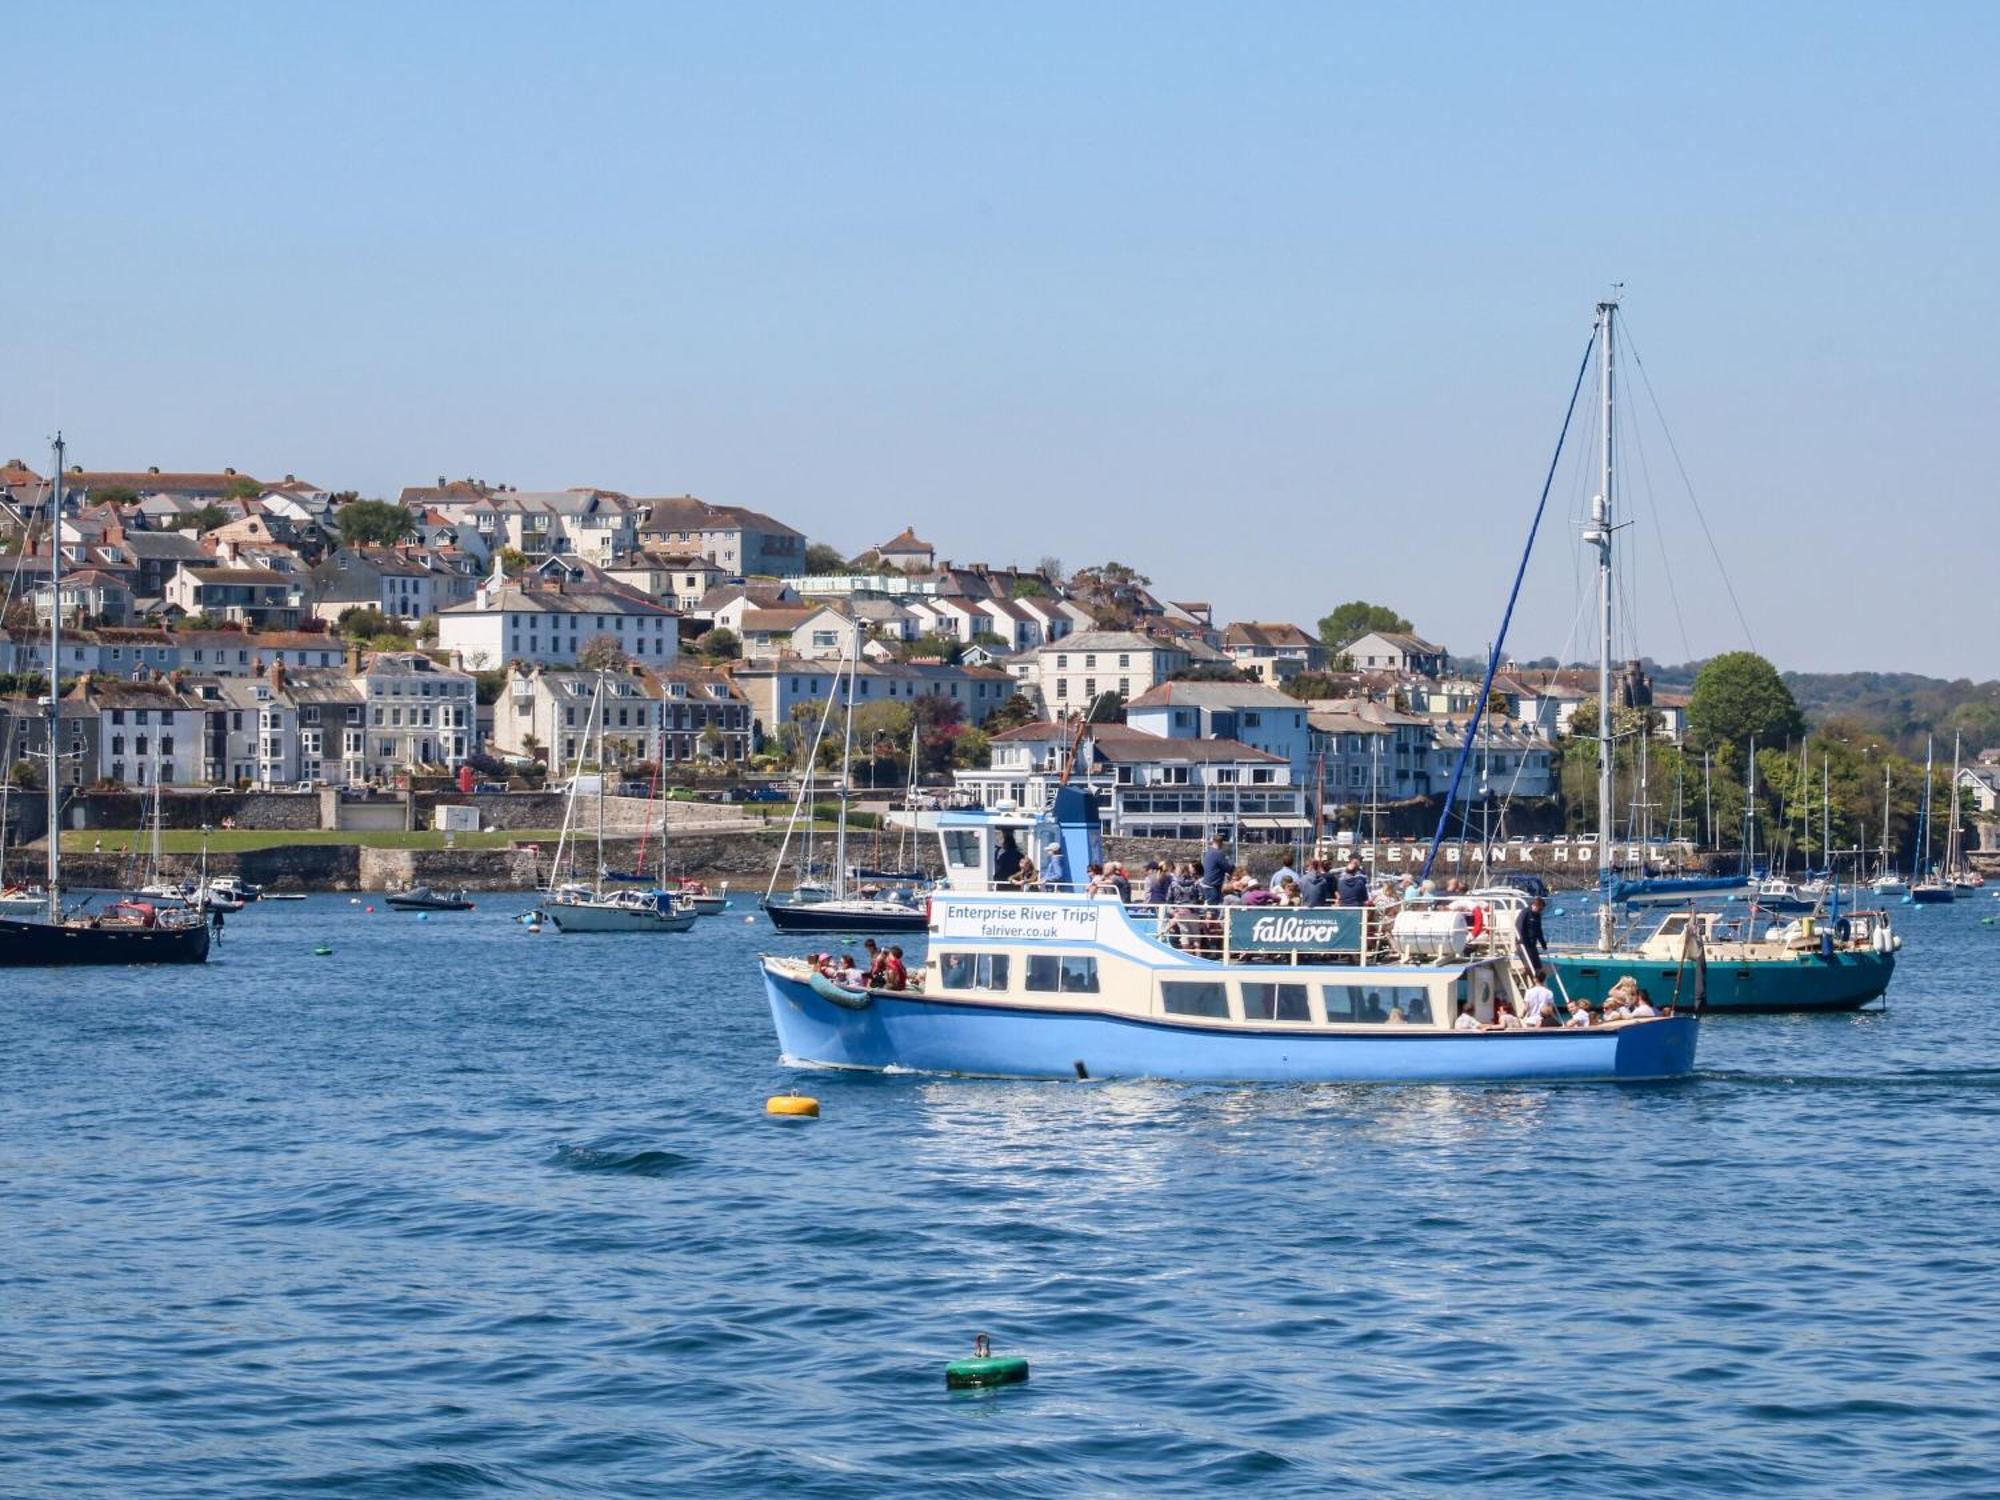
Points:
[[522, 1228]]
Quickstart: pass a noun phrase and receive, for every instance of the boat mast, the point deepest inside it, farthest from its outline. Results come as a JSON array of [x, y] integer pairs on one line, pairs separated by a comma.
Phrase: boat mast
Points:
[[603, 713], [846, 773], [1885, 815], [1951, 828], [55, 686], [1924, 816], [1599, 536]]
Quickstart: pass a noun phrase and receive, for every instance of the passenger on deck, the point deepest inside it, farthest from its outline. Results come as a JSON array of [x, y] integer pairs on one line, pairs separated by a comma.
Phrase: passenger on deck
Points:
[[1316, 885], [1185, 888], [895, 975], [1101, 883], [1006, 859], [1288, 894], [1352, 887], [1579, 1014], [1284, 871], [1466, 1021], [1216, 867], [1026, 877], [1159, 882], [1538, 1006], [1504, 1018], [1641, 1007], [875, 956], [1121, 882], [1055, 868]]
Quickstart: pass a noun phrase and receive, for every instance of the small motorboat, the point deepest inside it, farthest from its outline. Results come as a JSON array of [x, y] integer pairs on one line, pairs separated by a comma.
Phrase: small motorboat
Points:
[[423, 898], [281, 896]]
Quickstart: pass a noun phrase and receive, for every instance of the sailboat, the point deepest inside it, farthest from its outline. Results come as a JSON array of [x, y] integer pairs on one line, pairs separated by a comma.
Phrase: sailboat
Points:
[[860, 900], [1888, 884], [1929, 887], [1957, 873], [576, 908], [1802, 966], [127, 932]]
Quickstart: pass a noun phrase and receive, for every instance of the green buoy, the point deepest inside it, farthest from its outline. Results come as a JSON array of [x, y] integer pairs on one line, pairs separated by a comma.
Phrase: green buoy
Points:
[[985, 1368]]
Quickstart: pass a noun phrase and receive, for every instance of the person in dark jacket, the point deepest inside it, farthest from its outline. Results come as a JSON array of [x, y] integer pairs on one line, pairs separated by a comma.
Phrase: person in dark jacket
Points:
[[1532, 937], [1316, 885], [1352, 887], [1216, 867]]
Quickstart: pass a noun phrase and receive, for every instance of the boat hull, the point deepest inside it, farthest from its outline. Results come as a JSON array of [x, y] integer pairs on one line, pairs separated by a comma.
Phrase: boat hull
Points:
[[841, 916], [884, 1029], [580, 918], [1809, 982], [1932, 895], [433, 904], [28, 944]]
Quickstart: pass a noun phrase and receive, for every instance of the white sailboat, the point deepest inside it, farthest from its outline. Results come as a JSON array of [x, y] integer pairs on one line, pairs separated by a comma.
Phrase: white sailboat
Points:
[[575, 908]]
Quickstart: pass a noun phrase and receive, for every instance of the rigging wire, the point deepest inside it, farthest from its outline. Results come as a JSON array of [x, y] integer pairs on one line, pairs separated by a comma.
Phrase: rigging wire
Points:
[[1660, 539], [1500, 639], [1688, 484]]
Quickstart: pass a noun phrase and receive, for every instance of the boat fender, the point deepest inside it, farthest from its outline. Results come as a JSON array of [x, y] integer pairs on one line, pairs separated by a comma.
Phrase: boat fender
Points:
[[839, 994], [792, 1106], [1478, 924], [1842, 928], [1896, 943]]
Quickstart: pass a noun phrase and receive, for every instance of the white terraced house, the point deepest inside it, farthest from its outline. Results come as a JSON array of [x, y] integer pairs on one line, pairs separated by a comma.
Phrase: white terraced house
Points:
[[550, 622]]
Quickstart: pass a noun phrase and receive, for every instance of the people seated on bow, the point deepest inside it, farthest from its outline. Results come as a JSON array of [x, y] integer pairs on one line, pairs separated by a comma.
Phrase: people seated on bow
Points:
[[1579, 1014]]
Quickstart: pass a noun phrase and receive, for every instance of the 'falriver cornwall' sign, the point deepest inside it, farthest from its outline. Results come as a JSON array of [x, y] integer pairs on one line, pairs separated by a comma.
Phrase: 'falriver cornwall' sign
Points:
[[1313, 929]]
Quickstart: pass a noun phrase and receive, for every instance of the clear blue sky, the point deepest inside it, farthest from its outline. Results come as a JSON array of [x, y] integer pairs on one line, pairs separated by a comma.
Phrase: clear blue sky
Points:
[[1279, 304]]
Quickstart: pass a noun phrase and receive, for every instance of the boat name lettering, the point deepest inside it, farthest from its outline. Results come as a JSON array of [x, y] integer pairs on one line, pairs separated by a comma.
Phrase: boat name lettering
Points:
[[1336, 930]]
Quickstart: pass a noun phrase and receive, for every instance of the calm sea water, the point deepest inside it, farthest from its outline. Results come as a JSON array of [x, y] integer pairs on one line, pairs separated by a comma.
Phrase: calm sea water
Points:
[[461, 1210]]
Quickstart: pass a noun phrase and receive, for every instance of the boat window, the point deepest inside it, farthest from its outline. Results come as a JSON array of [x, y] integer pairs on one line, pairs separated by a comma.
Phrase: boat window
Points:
[[1274, 1002], [1069, 973], [1188, 997], [961, 848], [973, 971], [1376, 1004]]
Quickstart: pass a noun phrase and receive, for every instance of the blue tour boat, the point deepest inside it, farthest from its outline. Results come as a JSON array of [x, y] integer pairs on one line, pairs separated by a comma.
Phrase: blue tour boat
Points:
[[1058, 984]]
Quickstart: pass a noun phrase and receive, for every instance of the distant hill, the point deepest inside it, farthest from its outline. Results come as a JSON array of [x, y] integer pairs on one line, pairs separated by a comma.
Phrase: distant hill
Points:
[[1899, 706]]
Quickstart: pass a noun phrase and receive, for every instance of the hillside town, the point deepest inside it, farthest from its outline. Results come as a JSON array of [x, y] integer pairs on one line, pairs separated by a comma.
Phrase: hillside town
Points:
[[225, 630]]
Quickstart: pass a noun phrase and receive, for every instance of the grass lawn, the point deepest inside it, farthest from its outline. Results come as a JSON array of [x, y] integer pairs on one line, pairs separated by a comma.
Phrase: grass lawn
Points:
[[241, 840]]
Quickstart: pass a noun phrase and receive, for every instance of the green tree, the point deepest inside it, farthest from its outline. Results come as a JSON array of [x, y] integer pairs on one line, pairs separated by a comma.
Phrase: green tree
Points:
[[1738, 695], [117, 494], [602, 653], [1109, 708], [374, 522], [241, 488], [206, 519], [364, 622], [1356, 618], [719, 644], [822, 560], [512, 561], [1012, 714]]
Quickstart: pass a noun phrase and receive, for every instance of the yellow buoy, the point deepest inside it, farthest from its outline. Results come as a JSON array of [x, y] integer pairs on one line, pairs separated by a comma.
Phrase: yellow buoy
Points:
[[795, 1105]]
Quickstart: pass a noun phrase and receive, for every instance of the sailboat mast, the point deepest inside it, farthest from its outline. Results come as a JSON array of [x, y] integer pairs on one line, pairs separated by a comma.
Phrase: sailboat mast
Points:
[[1951, 804], [1924, 817], [1885, 814], [1599, 536], [846, 772], [602, 712], [55, 686]]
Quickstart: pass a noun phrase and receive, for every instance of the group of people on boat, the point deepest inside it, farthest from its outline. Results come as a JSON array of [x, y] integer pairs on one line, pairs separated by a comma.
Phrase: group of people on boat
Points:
[[884, 970], [1540, 1009]]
